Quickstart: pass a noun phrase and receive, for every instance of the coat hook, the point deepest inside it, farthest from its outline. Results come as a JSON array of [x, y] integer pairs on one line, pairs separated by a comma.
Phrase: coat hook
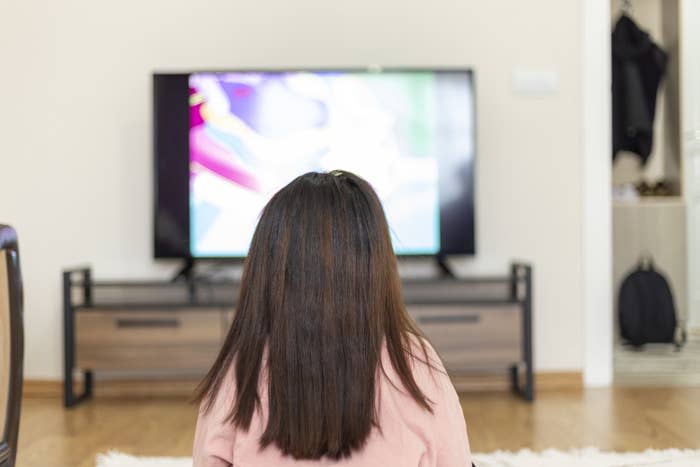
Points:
[[627, 7]]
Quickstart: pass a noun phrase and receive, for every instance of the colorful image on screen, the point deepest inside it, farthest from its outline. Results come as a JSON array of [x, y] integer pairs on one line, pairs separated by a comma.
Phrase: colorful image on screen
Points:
[[252, 133]]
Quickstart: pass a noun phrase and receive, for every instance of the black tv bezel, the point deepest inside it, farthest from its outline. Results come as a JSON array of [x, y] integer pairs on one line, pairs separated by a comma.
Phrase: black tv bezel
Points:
[[157, 250]]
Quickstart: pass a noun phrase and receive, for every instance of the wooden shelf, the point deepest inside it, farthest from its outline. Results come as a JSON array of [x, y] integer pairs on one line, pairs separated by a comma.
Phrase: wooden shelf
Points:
[[651, 201]]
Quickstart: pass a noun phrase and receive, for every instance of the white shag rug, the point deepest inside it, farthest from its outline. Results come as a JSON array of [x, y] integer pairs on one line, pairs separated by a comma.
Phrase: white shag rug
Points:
[[588, 457]]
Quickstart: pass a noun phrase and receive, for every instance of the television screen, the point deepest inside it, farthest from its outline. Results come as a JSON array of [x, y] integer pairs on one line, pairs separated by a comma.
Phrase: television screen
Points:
[[227, 141]]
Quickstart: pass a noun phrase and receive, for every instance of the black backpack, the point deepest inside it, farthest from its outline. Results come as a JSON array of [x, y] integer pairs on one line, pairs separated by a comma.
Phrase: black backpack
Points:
[[646, 310]]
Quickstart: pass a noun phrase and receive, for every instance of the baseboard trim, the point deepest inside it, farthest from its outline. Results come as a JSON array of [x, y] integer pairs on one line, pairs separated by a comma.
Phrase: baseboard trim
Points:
[[558, 380], [544, 381], [115, 388], [41, 388]]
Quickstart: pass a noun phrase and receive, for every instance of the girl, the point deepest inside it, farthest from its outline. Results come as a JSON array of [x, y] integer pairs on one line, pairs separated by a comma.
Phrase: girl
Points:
[[323, 365]]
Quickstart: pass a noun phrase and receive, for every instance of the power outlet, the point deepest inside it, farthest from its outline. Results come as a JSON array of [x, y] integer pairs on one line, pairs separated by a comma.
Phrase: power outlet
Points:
[[535, 82]]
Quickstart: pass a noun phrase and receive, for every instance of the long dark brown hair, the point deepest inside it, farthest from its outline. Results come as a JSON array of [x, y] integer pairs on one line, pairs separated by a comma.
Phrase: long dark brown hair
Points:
[[320, 295]]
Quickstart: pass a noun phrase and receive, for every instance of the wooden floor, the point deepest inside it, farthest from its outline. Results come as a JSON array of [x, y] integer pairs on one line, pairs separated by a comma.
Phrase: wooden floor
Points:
[[612, 419]]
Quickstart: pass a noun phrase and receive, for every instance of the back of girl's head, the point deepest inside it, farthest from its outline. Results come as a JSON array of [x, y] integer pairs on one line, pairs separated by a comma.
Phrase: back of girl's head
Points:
[[320, 295]]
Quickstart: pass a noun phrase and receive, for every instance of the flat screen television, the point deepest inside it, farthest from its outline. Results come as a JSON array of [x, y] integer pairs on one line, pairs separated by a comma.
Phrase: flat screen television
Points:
[[226, 141]]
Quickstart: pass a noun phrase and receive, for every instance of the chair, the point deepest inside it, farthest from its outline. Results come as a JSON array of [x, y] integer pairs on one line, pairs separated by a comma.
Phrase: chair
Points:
[[11, 345]]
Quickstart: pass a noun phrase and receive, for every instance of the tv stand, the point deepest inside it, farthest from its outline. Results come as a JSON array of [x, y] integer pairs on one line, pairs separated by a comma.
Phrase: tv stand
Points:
[[481, 326]]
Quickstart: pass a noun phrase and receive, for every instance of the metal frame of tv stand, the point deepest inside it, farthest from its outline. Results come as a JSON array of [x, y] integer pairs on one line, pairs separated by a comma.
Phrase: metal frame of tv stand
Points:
[[520, 292]]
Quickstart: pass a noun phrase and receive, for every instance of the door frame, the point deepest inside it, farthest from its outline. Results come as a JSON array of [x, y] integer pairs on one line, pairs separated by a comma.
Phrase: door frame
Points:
[[597, 296]]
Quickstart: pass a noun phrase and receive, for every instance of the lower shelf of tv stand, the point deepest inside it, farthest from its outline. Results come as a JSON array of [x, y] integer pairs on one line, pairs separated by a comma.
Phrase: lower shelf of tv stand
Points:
[[470, 339], [133, 339]]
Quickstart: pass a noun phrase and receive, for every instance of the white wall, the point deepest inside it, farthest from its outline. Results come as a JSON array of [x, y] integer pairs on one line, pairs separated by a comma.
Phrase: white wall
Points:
[[75, 123]]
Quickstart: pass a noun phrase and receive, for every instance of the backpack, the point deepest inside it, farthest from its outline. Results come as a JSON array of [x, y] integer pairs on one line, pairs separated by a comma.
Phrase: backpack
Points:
[[646, 310]]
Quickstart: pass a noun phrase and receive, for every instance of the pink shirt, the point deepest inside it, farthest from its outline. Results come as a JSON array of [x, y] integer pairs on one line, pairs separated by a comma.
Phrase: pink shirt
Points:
[[411, 436]]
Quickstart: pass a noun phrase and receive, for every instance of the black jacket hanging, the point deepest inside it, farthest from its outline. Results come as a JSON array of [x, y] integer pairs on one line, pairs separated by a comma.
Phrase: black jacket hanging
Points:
[[638, 65]]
